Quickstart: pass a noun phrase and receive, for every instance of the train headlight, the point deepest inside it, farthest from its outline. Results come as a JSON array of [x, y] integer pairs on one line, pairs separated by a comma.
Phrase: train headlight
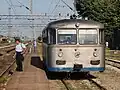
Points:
[[77, 54], [95, 54], [60, 54]]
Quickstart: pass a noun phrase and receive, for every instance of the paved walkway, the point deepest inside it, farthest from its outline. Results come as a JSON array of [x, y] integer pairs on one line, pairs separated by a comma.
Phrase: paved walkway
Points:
[[32, 78]]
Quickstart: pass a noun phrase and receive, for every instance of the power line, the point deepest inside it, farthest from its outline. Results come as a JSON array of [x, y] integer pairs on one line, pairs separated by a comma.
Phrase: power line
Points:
[[8, 3], [9, 20], [68, 5], [56, 6], [12, 6], [48, 11], [50, 5], [23, 5]]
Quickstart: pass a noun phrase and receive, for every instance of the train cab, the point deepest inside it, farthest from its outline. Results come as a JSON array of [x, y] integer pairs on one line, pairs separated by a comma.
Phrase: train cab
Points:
[[74, 46]]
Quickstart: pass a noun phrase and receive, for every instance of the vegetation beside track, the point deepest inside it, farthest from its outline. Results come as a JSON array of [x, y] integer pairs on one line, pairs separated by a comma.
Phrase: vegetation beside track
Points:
[[112, 54], [3, 79]]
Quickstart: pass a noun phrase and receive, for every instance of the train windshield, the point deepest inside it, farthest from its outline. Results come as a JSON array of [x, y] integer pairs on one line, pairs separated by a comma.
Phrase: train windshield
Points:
[[88, 36], [67, 37]]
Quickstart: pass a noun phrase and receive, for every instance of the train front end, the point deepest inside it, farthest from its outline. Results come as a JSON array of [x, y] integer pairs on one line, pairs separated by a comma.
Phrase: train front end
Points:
[[77, 50], [74, 46]]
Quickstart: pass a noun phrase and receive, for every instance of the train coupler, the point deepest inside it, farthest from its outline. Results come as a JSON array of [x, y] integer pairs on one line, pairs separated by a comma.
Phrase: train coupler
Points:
[[77, 67]]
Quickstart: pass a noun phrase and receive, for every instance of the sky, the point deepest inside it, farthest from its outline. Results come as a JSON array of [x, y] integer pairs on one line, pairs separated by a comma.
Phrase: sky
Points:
[[39, 6]]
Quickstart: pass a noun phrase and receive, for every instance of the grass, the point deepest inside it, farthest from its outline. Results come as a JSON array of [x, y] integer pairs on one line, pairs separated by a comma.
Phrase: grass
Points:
[[112, 54], [3, 79]]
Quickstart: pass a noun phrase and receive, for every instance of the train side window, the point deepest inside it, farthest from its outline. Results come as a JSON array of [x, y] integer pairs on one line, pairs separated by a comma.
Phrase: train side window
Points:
[[52, 36], [45, 36], [101, 35]]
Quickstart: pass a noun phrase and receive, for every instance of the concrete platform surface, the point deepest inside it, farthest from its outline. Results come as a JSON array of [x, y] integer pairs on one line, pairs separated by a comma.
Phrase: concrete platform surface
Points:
[[32, 78]]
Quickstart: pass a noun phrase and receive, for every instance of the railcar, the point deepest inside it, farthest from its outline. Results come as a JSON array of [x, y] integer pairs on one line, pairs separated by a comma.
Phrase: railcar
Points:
[[74, 45]]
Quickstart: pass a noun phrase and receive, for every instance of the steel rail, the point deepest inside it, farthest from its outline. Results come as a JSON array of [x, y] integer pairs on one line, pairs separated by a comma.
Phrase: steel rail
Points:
[[112, 60], [8, 69], [2, 47], [65, 84], [113, 63], [97, 84]]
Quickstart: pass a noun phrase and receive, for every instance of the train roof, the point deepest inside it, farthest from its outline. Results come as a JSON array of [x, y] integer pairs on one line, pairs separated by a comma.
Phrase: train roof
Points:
[[71, 23]]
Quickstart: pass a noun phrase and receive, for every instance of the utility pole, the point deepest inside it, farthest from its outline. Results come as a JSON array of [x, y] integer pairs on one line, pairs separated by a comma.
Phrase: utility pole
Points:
[[31, 6], [31, 13], [9, 21], [34, 35]]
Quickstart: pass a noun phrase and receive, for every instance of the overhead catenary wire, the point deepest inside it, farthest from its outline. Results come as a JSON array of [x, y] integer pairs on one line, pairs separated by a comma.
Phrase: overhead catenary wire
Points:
[[9, 20], [8, 2], [51, 17], [50, 5], [68, 5], [23, 5], [55, 6], [12, 6]]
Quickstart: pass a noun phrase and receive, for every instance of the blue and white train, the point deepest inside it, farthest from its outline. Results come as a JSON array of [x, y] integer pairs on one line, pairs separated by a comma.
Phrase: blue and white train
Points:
[[74, 45]]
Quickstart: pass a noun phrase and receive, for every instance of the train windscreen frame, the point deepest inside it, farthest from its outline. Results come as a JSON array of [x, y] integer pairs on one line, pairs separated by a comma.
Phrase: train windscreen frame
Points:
[[67, 36], [88, 36]]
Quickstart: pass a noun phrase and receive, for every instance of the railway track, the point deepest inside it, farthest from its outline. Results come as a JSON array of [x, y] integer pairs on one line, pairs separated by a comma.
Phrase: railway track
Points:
[[97, 84], [8, 46], [6, 68], [65, 84], [114, 63], [87, 84], [6, 58], [7, 65]]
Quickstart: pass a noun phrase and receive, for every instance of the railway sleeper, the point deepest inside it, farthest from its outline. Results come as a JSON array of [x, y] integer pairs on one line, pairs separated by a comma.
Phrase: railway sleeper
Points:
[[2, 53], [10, 50]]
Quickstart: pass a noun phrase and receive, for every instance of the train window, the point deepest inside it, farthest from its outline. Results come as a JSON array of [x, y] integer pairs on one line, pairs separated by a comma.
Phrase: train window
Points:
[[52, 36], [45, 36], [88, 36], [67, 37], [101, 35]]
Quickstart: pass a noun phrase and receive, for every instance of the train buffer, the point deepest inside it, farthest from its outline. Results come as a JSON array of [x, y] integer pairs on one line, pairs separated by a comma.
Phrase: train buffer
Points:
[[32, 78]]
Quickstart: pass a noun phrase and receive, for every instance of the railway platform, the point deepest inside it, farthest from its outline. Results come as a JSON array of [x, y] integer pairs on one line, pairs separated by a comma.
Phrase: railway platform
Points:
[[32, 78]]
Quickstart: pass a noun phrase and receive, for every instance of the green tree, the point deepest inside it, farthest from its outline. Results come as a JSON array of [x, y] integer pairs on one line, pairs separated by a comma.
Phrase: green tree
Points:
[[104, 11]]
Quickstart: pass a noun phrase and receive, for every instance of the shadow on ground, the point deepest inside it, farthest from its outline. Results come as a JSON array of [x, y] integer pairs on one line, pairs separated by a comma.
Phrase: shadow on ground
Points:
[[71, 76], [36, 62]]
